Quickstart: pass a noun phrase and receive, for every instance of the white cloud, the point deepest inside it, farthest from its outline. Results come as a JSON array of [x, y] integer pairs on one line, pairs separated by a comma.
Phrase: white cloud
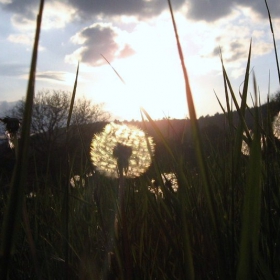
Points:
[[76, 56], [25, 39], [232, 34], [57, 15], [23, 23], [5, 1]]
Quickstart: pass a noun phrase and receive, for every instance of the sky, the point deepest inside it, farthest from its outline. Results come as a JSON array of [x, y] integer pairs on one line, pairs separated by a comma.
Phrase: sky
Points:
[[136, 37]]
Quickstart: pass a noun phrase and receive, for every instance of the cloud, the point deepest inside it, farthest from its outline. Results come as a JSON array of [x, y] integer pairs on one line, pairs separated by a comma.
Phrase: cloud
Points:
[[25, 7], [234, 51], [19, 70], [23, 13], [5, 1], [55, 15], [23, 23], [211, 10], [126, 51], [234, 35], [24, 39], [140, 8], [207, 10], [260, 7], [98, 39], [88, 9]]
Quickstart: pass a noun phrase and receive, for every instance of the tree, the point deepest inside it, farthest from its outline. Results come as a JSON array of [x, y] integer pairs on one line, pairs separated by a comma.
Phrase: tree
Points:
[[50, 114], [51, 153], [51, 109]]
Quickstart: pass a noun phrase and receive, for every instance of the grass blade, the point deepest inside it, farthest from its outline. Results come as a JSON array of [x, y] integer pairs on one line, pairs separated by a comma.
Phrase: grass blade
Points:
[[114, 69], [251, 208], [275, 49], [65, 210], [241, 113], [157, 130], [73, 98], [15, 204], [195, 129]]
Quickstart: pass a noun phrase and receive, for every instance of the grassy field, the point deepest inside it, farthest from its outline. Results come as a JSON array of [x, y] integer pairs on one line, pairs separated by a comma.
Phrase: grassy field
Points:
[[219, 221]]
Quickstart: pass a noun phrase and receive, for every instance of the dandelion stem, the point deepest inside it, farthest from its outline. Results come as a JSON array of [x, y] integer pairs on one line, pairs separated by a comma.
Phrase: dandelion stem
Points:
[[121, 227]]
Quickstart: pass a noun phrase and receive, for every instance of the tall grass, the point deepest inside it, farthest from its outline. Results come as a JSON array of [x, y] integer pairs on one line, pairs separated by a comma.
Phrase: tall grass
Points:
[[65, 209], [273, 37], [14, 209], [221, 223]]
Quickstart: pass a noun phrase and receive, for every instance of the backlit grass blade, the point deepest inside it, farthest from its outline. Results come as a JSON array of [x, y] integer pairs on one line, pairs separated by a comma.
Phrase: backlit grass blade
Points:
[[66, 194], [163, 140], [275, 49], [249, 246], [117, 73], [223, 109], [195, 130], [198, 143], [236, 139], [246, 82], [15, 204], [73, 98], [241, 112], [242, 127], [157, 130], [189, 268], [229, 111]]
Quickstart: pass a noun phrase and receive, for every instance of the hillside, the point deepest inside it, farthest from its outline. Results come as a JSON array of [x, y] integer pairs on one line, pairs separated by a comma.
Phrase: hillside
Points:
[[48, 152]]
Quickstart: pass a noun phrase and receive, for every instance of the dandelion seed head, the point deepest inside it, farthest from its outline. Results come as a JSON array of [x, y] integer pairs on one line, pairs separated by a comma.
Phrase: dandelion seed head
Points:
[[169, 180], [31, 195], [77, 181], [245, 148], [276, 126], [121, 147], [155, 189]]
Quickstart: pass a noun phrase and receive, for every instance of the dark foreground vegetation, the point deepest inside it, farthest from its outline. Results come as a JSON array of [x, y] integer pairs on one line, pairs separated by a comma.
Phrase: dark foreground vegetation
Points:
[[217, 218], [157, 229]]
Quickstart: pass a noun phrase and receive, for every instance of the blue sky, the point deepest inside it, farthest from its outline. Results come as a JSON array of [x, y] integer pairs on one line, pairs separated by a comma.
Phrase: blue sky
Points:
[[137, 38]]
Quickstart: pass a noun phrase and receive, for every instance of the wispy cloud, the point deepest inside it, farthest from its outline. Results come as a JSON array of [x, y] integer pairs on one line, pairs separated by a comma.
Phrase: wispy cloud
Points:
[[51, 75]]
